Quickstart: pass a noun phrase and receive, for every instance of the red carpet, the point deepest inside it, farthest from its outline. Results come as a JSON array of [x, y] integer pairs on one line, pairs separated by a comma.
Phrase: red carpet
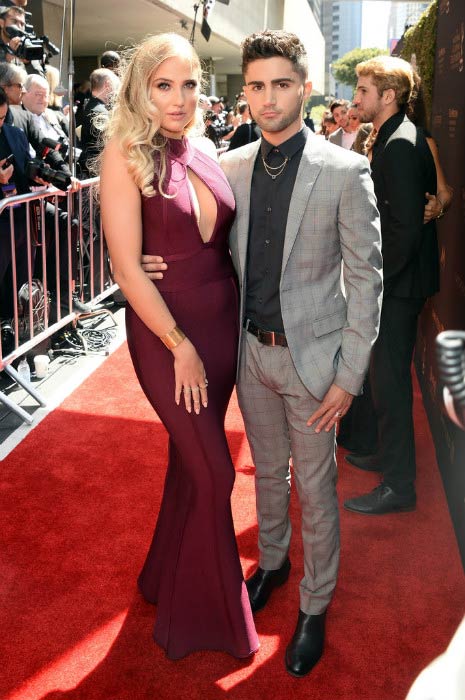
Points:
[[79, 499]]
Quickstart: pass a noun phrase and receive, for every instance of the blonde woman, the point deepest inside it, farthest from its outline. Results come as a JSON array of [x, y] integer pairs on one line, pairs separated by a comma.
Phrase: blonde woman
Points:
[[52, 75], [161, 195]]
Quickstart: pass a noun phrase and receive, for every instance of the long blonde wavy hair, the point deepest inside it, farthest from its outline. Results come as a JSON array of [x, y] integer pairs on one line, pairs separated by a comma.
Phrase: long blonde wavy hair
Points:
[[135, 122]]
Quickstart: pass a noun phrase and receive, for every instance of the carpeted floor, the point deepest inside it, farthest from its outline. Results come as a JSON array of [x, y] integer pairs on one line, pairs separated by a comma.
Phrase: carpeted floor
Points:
[[79, 499]]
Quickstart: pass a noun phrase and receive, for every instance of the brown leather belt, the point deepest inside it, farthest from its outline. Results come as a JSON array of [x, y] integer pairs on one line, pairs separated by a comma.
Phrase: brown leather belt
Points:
[[266, 337]]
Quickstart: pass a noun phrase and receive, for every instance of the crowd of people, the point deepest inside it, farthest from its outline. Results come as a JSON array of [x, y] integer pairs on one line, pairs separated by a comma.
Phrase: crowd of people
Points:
[[34, 147], [296, 267]]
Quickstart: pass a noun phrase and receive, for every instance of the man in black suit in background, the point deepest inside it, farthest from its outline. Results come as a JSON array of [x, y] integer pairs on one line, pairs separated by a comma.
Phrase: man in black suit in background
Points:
[[403, 171], [104, 84]]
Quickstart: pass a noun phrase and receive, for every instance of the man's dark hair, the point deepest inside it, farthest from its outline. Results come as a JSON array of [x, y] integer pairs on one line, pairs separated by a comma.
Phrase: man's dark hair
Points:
[[110, 59], [3, 97], [275, 42], [338, 103]]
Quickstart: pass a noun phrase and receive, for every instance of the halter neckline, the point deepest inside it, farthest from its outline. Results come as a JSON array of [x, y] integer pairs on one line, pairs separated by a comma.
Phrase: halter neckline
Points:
[[180, 150]]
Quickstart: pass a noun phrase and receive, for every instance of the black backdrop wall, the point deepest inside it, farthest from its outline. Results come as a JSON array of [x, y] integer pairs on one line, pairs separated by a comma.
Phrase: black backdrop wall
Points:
[[446, 311]]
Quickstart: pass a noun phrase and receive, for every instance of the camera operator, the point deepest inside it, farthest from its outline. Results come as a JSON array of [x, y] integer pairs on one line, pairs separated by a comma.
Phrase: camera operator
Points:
[[10, 16], [19, 46], [219, 127]]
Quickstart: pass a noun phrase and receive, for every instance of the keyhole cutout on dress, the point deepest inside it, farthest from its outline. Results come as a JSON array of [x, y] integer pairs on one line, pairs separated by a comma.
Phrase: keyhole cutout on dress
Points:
[[204, 206]]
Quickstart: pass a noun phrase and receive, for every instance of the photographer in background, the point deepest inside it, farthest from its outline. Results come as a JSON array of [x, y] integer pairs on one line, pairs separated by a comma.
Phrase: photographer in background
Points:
[[43, 155], [218, 129], [10, 16], [12, 80], [54, 128], [20, 47]]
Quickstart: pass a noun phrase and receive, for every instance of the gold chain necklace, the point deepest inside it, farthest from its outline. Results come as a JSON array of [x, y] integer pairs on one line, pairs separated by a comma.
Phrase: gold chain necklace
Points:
[[278, 168]]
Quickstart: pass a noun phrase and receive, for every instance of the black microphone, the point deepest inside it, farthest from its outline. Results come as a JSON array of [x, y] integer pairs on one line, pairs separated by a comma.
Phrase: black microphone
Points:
[[450, 354]]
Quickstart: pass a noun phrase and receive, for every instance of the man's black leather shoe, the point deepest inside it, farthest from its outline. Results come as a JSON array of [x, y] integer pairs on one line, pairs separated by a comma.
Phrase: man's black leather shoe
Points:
[[262, 583], [306, 646], [380, 501], [364, 462]]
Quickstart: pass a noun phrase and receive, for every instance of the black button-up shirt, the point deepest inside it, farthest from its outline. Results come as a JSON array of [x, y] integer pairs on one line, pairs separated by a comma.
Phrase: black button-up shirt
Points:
[[269, 207]]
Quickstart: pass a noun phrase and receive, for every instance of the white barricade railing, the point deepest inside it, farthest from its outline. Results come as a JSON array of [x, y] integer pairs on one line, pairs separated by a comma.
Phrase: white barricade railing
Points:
[[52, 249]]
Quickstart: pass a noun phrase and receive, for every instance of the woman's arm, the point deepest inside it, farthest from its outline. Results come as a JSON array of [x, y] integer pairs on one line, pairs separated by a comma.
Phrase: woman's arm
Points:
[[122, 223], [438, 203]]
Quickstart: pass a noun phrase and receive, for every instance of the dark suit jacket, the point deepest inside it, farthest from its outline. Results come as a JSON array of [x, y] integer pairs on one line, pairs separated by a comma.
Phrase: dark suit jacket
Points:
[[245, 133], [403, 171], [19, 146], [90, 136], [22, 118]]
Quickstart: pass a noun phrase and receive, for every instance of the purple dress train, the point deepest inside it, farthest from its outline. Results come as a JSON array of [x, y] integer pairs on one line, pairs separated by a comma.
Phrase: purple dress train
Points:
[[192, 571]]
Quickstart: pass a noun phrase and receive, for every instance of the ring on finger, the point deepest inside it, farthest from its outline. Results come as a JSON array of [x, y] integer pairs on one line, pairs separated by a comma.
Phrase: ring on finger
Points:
[[186, 389], [203, 386], [338, 414]]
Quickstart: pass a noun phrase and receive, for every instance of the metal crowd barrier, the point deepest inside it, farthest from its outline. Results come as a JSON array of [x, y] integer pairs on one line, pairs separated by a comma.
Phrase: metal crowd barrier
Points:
[[44, 225]]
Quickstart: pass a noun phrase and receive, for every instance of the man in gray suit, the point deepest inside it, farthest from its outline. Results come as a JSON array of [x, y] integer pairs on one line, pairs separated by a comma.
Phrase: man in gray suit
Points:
[[303, 207]]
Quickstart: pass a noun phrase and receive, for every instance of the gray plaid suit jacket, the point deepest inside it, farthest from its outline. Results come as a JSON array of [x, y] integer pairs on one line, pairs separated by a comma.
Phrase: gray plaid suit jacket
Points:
[[332, 218]]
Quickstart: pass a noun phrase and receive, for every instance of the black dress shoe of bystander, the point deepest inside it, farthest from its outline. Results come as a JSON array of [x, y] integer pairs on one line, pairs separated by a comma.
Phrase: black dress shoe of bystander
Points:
[[365, 462], [383, 499], [306, 646], [263, 582]]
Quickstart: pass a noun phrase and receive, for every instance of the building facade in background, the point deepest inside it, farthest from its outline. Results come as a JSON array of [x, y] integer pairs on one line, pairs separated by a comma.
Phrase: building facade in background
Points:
[[402, 16], [342, 31], [115, 25], [316, 7]]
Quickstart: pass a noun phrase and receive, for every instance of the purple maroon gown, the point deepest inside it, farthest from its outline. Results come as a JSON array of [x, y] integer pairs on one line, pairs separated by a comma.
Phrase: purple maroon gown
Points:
[[192, 571]]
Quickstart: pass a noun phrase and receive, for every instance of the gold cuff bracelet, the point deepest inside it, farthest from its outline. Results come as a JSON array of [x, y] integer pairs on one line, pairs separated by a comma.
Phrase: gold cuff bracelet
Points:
[[173, 338]]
